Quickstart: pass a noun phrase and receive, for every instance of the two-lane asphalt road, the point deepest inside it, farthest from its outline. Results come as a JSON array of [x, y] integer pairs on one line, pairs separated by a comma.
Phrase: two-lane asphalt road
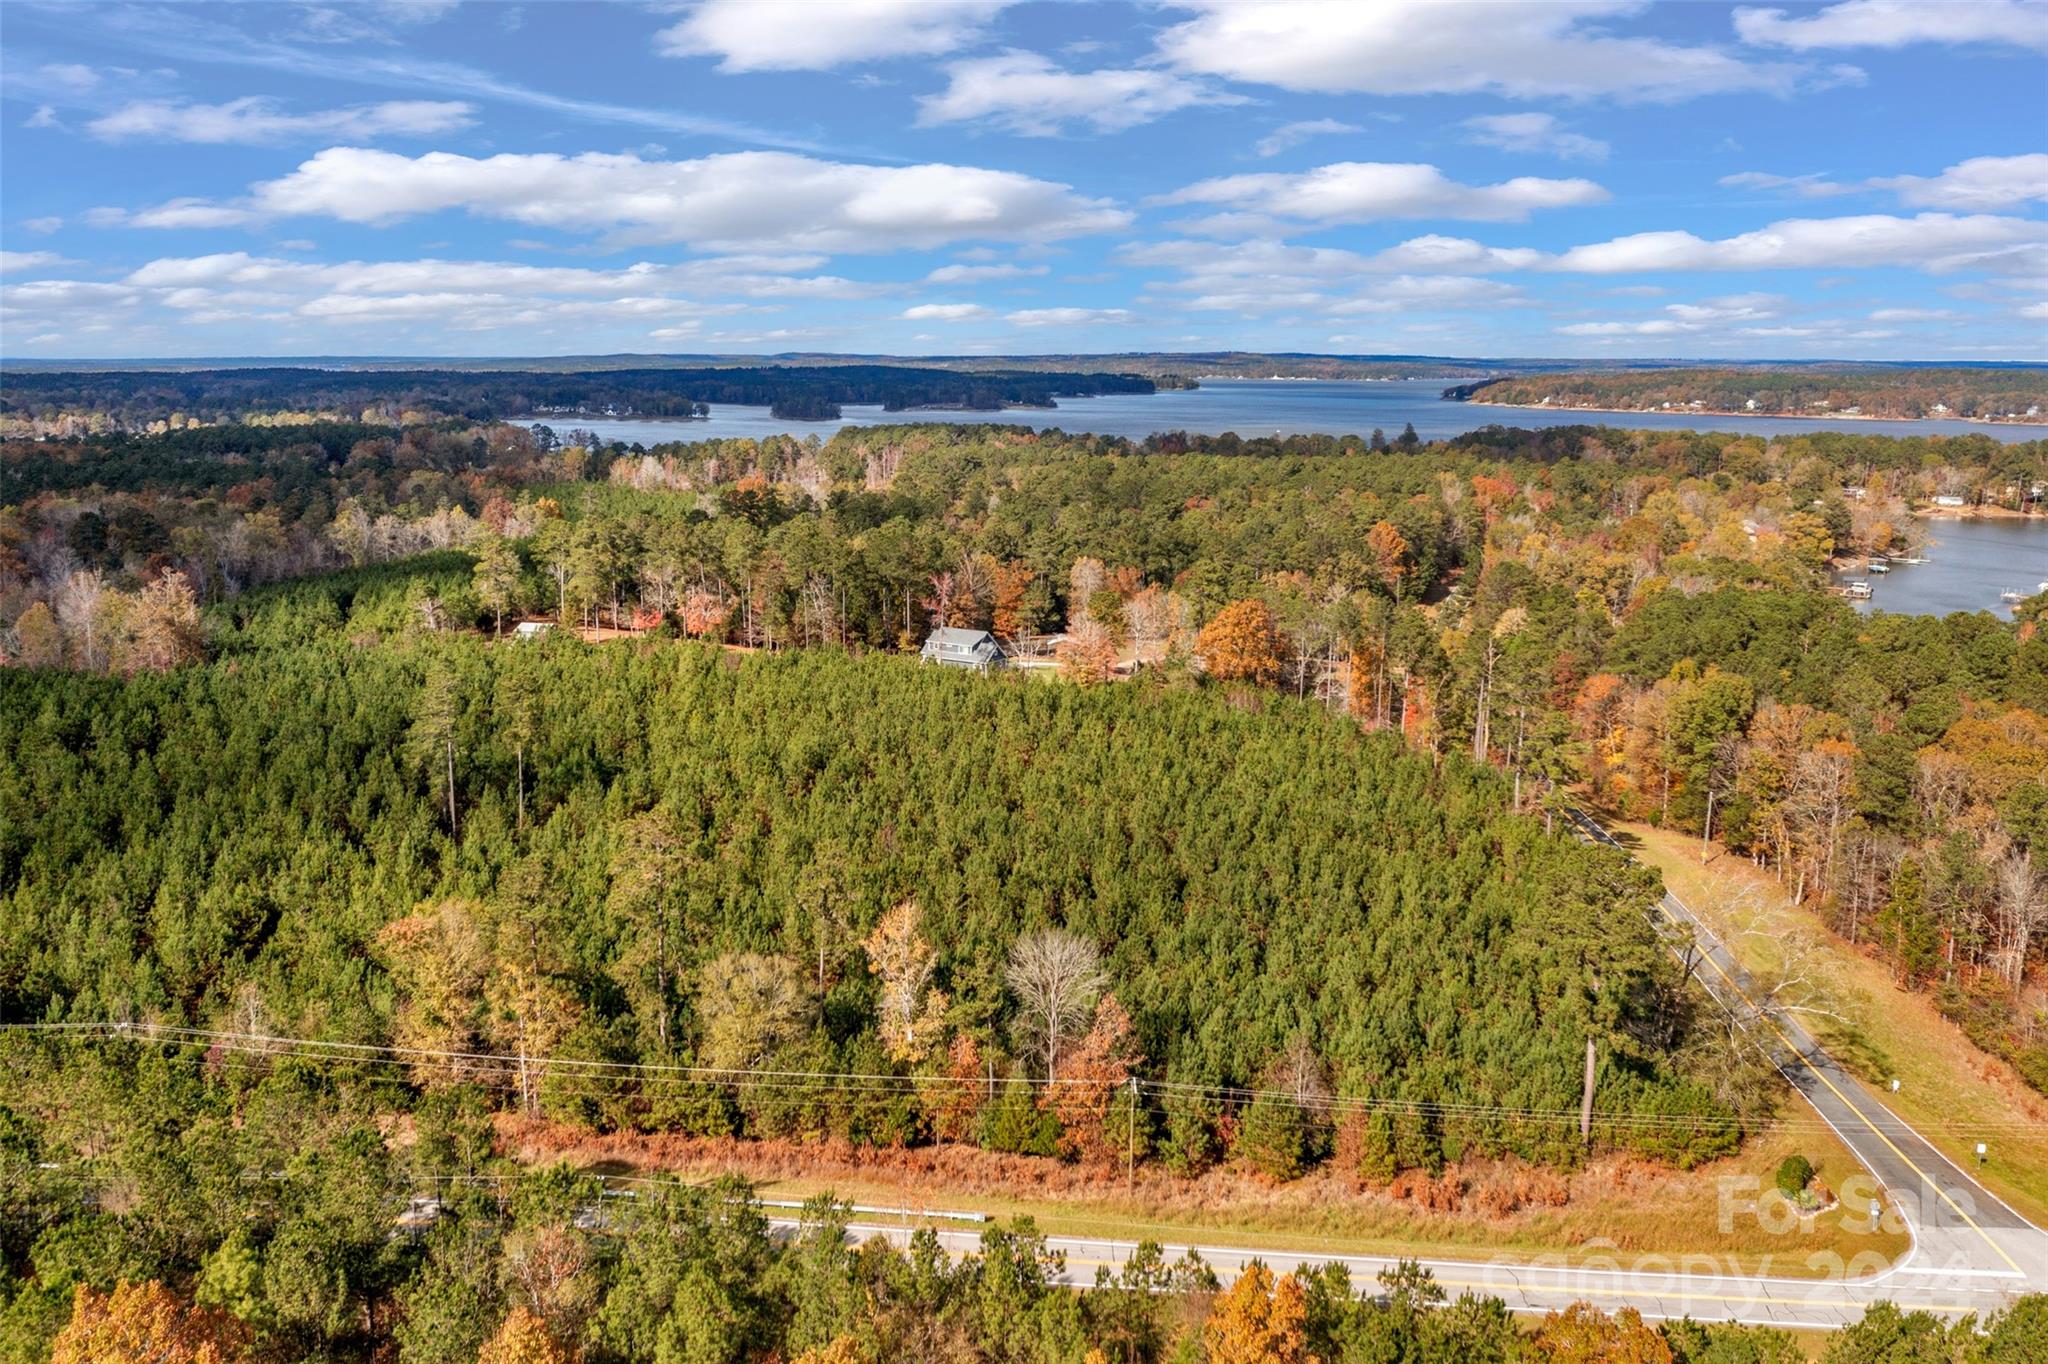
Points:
[[1971, 1252], [1960, 1228]]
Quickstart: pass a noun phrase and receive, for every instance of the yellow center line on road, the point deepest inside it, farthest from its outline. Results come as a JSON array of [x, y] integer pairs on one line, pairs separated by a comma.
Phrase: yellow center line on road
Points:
[[1807, 1061], [1861, 1116]]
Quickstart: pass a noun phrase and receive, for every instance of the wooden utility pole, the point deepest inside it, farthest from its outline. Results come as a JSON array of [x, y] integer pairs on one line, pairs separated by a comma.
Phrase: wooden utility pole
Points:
[[1586, 1104], [1131, 1139]]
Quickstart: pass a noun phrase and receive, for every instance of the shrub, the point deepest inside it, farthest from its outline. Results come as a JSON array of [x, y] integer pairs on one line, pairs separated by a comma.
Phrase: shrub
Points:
[[1016, 1124], [1273, 1138], [1795, 1172]]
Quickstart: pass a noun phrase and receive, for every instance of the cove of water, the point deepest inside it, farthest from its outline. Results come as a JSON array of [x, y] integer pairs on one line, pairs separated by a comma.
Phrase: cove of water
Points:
[[1266, 407], [1969, 563]]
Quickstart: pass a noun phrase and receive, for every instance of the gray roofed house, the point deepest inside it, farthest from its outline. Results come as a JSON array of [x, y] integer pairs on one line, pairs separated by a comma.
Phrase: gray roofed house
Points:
[[954, 648]]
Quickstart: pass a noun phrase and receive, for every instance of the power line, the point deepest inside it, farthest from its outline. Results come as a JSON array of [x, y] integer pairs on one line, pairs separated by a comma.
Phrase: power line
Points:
[[608, 1079]]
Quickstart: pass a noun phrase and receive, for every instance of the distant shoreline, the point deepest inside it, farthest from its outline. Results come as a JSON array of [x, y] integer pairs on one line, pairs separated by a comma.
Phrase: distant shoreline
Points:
[[1758, 416]]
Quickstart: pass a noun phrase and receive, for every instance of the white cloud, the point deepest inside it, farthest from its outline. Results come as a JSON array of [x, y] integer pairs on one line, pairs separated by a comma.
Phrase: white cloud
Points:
[[974, 274], [69, 76], [1540, 133], [1066, 317], [255, 119], [1683, 319], [452, 296], [1399, 293], [2035, 310], [807, 35], [1913, 315], [1288, 266], [1407, 293], [1560, 48], [1811, 186], [1368, 191], [945, 312], [42, 225], [18, 262], [1455, 254], [738, 201], [418, 11], [1982, 182], [1293, 134], [1932, 241], [1653, 327], [1027, 94], [1731, 308], [176, 215], [1899, 23]]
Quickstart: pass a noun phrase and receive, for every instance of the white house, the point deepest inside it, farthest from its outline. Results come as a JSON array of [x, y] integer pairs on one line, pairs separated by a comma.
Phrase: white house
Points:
[[954, 648]]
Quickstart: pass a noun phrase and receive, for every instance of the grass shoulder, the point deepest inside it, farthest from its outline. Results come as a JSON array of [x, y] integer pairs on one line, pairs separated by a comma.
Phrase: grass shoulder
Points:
[[1950, 1090], [1623, 1211]]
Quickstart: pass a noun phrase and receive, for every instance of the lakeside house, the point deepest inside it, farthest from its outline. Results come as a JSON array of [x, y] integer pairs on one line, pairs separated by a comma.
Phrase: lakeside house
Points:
[[955, 648]]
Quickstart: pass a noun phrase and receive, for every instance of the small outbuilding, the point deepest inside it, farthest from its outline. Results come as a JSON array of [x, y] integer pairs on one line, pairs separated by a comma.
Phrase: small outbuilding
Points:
[[532, 629], [954, 648]]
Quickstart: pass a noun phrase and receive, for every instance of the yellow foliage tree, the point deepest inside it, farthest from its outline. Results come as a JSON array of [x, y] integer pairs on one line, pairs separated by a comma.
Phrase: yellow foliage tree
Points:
[[912, 1013], [1582, 1334], [163, 626], [524, 1339], [1258, 1321], [839, 1350], [146, 1323], [437, 957]]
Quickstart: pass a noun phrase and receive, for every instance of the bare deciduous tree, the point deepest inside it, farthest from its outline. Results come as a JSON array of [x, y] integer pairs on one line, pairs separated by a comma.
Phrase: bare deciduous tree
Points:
[[1057, 977], [2022, 914]]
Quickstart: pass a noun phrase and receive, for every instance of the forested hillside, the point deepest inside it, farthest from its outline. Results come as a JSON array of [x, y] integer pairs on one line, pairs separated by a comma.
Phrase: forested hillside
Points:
[[322, 833], [1262, 876], [1984, 393], [1643, 615]]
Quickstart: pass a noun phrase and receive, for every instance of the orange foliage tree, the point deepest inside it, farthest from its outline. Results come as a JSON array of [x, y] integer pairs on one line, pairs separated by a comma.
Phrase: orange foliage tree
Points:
[[1091, 1072], [1389, 554], [1012, 583], [954, 1099], [1258, 1321], [146, 1323], [705, 614], [524, 1339], [1242, 643]]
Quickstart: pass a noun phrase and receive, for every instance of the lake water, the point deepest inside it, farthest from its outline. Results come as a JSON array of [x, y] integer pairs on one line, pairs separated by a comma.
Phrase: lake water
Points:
[[1969, 564], [1264, 407]]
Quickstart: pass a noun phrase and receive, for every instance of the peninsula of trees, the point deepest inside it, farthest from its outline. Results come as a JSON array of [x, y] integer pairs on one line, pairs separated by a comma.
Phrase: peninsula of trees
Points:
[[34, 402], [1974, 393]]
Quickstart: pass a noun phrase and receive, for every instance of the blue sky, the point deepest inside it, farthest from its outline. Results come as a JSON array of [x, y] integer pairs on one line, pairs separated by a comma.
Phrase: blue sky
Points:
[[1866, 178]]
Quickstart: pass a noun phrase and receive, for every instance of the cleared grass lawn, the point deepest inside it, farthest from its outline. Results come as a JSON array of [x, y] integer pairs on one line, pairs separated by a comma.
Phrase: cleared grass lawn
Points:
[[1618, 1211], [1951, 1091]]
